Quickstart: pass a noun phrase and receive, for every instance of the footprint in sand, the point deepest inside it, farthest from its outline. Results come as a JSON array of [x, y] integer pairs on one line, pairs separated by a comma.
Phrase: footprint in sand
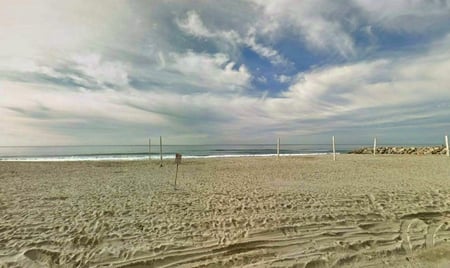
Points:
[[412, 232], [42, 256], [437, 232]]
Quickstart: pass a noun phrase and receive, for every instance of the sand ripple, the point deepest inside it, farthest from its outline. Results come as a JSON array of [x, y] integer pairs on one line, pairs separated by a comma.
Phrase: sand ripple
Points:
[[294, 212]]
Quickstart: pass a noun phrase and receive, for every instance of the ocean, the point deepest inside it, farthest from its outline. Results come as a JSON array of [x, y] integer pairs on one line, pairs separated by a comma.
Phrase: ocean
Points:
[[141, 152]]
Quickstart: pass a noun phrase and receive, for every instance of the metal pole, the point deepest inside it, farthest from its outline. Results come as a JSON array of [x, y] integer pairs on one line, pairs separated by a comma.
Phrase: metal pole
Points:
[[334, 150], [278, 148], [160, 150], [176, 175], [374, 146], [446, 145]]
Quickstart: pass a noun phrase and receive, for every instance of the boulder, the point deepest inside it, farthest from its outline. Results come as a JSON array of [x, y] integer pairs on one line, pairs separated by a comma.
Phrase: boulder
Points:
[[402, 150]]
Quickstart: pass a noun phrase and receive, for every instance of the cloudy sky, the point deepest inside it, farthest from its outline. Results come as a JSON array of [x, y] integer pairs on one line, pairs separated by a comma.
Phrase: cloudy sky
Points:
[[208, 72]]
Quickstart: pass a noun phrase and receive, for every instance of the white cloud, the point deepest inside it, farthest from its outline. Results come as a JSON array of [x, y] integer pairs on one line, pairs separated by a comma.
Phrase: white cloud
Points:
[[103, 72], [56, 112], [367, 94], [87, 70], [372, 89], [312, 20], [405, 15], [332, 27], [264, 51], [194, 25], [214, 72], [162, 59], [27, 66], [283, 78], [34, 29], [395, 92]]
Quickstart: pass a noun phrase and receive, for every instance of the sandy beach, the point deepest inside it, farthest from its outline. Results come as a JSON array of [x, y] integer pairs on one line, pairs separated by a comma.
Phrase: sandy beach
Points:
[[360, 211]]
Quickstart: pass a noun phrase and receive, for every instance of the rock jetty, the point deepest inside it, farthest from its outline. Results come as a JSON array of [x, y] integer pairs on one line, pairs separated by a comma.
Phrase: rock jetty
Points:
[[402, 150]]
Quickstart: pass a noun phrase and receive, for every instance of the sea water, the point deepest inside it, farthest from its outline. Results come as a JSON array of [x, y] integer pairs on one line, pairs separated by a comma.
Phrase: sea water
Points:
[[141, 152]]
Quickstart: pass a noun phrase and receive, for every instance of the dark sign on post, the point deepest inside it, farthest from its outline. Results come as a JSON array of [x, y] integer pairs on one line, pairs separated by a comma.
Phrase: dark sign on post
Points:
[[178, 159]]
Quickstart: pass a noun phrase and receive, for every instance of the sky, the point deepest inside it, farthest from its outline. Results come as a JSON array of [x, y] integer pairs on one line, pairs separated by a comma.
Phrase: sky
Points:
[[224, 72]]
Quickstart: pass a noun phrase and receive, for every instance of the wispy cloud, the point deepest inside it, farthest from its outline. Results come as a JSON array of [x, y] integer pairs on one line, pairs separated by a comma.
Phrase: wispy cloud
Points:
[[211, 72], [404, 15], [322, 24], [192, 24], [104, 73]]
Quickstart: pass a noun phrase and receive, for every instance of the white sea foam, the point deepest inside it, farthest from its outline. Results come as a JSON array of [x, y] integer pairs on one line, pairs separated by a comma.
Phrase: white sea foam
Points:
[[140, 152], [139, 157]]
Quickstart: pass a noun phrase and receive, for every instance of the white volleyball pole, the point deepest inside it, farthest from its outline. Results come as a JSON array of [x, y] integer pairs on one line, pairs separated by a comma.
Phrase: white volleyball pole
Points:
[[160, 150], [278, 147], [446, 145], [334, 150], [374, 146]]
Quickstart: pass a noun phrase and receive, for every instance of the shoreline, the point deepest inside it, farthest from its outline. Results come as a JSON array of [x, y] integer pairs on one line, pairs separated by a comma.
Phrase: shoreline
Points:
[[145, 158], [112, 153], [359, 210], [212, 157]]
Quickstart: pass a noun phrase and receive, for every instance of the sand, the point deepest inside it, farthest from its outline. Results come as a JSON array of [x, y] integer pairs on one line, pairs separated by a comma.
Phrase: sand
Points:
[[360, 211]]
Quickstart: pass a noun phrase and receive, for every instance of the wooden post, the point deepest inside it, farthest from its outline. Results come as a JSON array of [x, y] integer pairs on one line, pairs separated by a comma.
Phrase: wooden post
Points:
[[150, 149], [334, 150], [446, 145], [160, 150], [374, 146], [278, 148], [177, 161], [176, 175]]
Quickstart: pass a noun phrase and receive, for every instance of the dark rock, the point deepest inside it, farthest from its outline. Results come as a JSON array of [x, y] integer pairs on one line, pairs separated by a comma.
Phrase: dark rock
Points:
[[402, 150]]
